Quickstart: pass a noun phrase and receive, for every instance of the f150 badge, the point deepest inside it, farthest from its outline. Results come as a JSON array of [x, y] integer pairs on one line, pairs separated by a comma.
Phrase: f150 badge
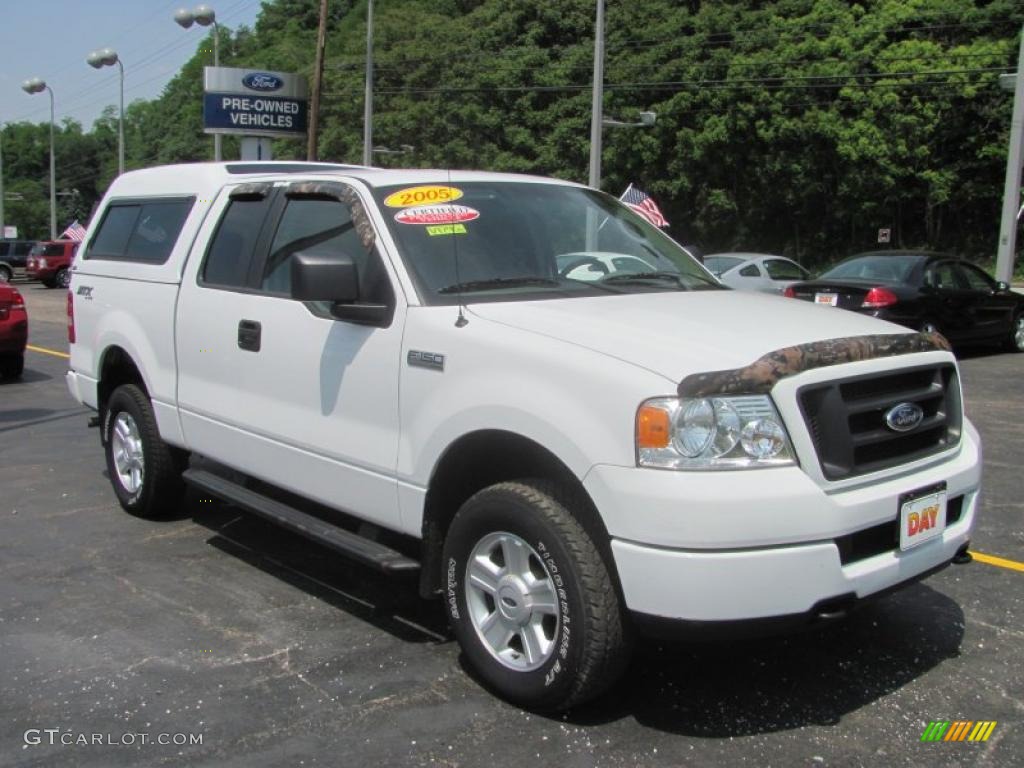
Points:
[[430, 360]]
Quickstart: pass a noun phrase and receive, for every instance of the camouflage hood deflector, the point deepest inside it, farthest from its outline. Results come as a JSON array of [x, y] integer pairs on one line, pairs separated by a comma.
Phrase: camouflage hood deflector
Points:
[[760, 376]]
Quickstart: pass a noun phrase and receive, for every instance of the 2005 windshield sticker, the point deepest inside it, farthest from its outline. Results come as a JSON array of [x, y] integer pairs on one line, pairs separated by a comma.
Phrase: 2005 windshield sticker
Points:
[[424, 195], [439, 219]]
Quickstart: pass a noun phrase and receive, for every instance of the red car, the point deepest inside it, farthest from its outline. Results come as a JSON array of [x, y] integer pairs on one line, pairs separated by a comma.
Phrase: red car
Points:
[[50, 262], [13, 332]]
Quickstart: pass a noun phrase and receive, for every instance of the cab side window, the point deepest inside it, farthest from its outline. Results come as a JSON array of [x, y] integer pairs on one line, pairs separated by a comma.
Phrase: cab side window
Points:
[[323, 226], [750, 270], [231, 250]]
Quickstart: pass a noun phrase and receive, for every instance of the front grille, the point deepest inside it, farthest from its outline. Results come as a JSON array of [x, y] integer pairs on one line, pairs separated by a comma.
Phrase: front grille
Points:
[[846, 419]]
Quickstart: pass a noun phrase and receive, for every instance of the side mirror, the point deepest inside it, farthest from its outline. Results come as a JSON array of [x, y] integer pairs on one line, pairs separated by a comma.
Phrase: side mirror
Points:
[[334, 278], [1002, 287], [322, 277]]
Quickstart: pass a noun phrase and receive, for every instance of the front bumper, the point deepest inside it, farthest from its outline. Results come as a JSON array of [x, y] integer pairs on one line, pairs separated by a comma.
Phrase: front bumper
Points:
[[728, 546]]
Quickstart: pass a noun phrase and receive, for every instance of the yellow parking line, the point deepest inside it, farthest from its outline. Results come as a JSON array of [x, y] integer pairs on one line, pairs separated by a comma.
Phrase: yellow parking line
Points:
[[46, 351], [1000, 562]]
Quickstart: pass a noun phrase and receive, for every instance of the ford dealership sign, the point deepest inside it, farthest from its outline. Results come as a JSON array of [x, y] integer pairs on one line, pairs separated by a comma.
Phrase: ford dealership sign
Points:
[[252, 102]]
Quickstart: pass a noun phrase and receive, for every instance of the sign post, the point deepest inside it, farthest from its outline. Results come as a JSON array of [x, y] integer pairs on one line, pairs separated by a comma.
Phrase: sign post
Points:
[[255, 104]]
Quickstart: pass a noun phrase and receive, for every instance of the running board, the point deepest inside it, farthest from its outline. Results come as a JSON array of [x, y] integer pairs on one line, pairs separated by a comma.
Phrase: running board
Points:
[[357, 547]]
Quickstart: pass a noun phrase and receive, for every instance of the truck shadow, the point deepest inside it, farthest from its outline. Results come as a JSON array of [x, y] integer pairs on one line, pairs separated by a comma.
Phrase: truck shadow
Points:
[[390, 603], [751, 687]]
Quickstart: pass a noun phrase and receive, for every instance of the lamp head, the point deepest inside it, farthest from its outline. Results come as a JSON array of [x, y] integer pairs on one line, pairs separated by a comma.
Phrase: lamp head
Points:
[[94, 59], [184, 18], [34, 85], [204, 15]]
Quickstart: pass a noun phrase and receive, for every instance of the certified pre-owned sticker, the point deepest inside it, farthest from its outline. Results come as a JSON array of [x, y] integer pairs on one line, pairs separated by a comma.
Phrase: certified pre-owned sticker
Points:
[[437, 214], [425, 195]]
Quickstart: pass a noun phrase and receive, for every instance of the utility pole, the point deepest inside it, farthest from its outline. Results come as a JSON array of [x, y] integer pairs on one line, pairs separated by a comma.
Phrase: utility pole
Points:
[[597, 105], [1, 180], [368, 101], [1011, 189], [318, 76]]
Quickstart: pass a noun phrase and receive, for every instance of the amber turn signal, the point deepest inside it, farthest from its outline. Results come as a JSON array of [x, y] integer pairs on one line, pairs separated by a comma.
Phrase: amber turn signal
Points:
[[652, 427]]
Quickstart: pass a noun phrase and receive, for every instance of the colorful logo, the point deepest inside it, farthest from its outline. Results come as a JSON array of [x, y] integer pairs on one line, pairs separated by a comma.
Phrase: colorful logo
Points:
[[437, 214], [958, 730]]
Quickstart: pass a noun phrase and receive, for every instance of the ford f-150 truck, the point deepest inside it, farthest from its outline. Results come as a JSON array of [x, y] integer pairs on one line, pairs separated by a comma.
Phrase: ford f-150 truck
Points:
[[520, 388]]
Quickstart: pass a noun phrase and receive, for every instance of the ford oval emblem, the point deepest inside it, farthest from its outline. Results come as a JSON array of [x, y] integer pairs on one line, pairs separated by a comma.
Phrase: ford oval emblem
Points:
[[262, 81], [904, 417]]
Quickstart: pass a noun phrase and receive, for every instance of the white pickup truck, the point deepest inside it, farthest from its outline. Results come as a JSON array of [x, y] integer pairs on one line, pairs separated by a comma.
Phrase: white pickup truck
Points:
[[524, 390]]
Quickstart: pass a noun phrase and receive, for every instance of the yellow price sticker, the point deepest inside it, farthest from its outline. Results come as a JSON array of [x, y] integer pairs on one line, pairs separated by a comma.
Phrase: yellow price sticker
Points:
[[425, 195]]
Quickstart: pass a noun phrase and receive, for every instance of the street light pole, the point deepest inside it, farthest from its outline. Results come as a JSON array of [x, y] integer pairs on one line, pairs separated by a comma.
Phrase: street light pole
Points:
[[38, 85], [107, 58], [1, 180], [597, 104], [204, 16], [368, 101], [1011, 188]]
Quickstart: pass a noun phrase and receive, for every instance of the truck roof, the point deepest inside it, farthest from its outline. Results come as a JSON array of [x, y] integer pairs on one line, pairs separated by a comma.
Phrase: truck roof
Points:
[[201, 178]]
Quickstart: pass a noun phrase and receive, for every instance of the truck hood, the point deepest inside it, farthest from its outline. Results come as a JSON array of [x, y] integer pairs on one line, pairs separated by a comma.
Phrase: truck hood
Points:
[[676, 334]]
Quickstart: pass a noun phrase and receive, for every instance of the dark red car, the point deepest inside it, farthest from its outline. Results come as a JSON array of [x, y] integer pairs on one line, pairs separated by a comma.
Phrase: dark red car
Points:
[[50, 262], [13, 332]]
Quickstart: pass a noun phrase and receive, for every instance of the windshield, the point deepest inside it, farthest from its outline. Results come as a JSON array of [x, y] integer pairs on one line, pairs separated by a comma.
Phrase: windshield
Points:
[[881, 269], [523, 240], [722, 264]]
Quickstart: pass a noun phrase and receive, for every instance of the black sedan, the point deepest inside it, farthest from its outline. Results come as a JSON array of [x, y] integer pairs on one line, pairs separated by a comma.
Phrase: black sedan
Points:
[[923, 291]]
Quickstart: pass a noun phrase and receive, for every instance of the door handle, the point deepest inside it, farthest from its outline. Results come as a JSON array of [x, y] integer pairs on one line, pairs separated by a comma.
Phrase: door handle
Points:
[[249, 335]]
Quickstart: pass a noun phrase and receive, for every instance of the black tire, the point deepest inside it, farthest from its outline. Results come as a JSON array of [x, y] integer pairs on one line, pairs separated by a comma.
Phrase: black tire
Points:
[[591, 647], [161, 490], [12, 366], [6, 274], [63, 278], [1015, 342], [48, 282]]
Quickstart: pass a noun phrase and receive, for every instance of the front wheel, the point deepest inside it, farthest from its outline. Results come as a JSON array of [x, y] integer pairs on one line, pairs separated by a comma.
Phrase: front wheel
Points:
[[63, 277], [6, 274], [144, 471], [530, 598]]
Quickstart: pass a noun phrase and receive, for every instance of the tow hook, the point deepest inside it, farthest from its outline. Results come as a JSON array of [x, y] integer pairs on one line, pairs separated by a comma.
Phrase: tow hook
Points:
[[962, 556]]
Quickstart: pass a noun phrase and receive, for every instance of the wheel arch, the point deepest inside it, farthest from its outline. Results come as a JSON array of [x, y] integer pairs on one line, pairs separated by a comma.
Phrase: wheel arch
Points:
[[483, 458], [117, 367]]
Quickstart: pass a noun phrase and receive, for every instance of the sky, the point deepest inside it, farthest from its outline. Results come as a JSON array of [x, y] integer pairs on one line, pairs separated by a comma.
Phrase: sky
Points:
[[51, 38]]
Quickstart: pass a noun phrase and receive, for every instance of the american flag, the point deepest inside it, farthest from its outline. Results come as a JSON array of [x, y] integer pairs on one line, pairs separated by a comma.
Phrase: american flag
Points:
[[75, 231], [641, 202]]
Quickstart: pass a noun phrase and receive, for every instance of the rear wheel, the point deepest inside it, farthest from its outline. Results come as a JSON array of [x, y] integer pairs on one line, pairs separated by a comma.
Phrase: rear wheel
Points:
[[144, 471], [12, 366], [1016, 341], [530, 599]]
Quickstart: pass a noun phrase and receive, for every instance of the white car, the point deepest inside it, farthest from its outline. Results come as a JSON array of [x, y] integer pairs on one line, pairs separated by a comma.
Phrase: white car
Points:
[[563, 458], [756, 271]]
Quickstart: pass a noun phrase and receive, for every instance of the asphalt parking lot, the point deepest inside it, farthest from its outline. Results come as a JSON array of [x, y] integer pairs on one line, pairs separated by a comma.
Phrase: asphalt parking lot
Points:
[[274, 652]]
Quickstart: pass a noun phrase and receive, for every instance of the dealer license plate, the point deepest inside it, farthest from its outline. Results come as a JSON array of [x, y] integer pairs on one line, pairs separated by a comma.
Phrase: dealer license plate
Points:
[[922, 516], [829, 299]]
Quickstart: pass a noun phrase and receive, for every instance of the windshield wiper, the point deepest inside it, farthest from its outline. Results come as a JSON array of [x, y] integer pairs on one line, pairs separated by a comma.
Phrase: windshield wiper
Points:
[[498, 282], [644, 277]]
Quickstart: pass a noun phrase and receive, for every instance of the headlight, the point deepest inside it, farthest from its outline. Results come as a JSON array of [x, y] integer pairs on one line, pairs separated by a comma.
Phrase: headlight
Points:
[[42, 263], [741, 432]]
